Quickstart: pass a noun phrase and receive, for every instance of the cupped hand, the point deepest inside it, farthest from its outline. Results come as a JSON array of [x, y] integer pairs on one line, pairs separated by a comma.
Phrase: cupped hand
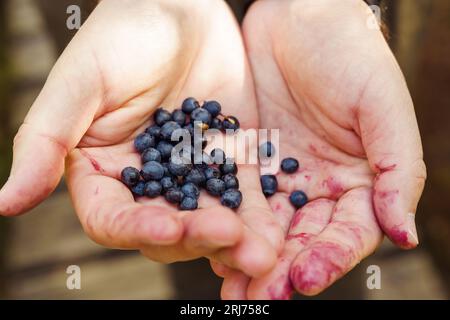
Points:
[[127, 60], [330, 83]]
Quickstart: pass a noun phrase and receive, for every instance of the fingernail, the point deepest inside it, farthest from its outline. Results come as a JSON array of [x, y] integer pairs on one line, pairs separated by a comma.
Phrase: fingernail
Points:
[[412, 231]]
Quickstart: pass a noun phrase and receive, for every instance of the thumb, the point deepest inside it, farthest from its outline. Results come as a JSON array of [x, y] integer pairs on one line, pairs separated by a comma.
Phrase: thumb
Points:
[[392, 142], [54, 125]]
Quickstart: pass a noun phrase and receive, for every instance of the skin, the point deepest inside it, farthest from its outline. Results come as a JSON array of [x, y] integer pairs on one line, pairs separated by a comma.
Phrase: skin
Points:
[[125, 62], [334, 87]]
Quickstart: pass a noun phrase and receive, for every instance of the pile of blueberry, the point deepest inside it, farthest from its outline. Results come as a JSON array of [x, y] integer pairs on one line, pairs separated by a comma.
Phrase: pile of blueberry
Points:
[[269, 183], [180, 182]]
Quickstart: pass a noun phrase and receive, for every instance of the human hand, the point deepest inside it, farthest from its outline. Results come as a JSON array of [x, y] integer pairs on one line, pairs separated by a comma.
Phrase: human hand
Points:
[[335, 90], [126, 61]]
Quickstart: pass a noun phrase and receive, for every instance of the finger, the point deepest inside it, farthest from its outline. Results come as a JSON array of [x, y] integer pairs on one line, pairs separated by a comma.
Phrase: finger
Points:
[[352, 234], [219, 269], [234, 286], [391, 139], [307, 223]]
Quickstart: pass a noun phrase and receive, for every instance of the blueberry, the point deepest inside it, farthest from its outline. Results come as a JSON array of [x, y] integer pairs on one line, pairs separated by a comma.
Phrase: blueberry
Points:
[[231, 198], [289, 165], [269, 184], [179, 117], [190, 190], [165, 149], [212, 173], [266, 150], [152, 170], [189, 105], [162, 116], [179, 169], [167, 183], [218, 156], [188, 203], [298, 199], [201, 115], [144, 141], [231, 123], [154, 130], [151, 154], [166, 170], [215, 186], [216, 124], [168, 128], [228, 167], [174, 195], [231, 181], [138, 189], [130, 176], [152, 189], [196, 176], [213, 108]]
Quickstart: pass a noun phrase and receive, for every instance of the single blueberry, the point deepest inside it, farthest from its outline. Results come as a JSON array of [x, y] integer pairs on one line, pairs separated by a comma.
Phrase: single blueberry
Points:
[[144, 141], [162, 116], [196, 176], [130, 176], [230, 123], [179, 169], [266, 150], [216, 124], [218, 156], [201, 115], [298, 199], [212, 173], [188, 203], [152, 170], [215, 186], [228, 167], [138, 189], [165, 148], [289, 165], [213, 108], [167, 183], [231, 198], [190, 190], [231, 181], [179, 117], [168, 128], [189, 105], [269, 184], [154, 130], [151, 154], [152, 189], [174, 195]]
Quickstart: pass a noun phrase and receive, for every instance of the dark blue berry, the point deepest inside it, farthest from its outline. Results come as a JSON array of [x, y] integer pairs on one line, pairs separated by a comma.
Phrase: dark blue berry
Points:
[[231, 181], [189, 105], [168, 128], [216, 124], [144, 141], [179, 117], [162, 116], [212, 173], [230, 123], [266, 150], [154, 130], [289, 165], [196, 176], [228, 167], [152, 189], [231, 198], [152, 170], [151, 154], [138, 189], [213, 108], [165, 149], [298, 199], [190, 190], [179, 169], [174, 195], [215, 186], [201, 115], [130, 176], [218, 156], [188, 203], [269, 184], [167, 183]]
